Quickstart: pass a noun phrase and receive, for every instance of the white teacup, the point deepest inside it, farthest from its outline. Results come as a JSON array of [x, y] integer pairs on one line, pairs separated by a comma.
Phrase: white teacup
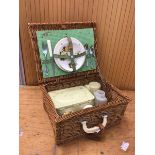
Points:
[[93, 86]]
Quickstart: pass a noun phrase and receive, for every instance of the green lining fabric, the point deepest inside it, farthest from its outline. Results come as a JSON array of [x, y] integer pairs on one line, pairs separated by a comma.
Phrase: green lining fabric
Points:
[[85, 36]]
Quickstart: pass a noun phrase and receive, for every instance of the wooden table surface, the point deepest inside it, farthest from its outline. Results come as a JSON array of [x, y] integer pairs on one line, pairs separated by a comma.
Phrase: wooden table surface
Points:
[[36, 134]]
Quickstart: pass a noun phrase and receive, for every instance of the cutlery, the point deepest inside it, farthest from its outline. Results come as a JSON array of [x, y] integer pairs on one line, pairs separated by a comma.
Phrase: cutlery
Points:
[[49, 48], [46, 69], [92, 53], [51, 55], [86, 48], [45, 51]]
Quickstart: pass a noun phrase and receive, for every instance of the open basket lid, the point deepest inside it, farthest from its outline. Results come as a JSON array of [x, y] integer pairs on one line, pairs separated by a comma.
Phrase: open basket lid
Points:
[[63, 50]]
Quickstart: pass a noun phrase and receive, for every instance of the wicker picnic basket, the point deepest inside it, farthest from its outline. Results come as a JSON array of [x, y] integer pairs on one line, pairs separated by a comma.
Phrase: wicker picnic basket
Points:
[[68, 127]]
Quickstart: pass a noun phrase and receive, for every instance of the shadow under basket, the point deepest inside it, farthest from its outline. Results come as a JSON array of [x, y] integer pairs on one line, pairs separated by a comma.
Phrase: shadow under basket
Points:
[[69, 126]]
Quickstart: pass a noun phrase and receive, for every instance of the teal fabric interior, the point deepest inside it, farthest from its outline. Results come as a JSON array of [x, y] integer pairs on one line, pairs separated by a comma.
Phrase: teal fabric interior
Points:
[[85, 36]]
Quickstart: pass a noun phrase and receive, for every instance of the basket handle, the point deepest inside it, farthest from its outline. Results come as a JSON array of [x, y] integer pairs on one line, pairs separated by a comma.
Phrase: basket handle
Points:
[[95, 128]]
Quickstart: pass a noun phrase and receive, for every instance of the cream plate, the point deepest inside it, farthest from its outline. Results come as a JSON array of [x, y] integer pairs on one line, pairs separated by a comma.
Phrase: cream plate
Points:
[[77, 47]]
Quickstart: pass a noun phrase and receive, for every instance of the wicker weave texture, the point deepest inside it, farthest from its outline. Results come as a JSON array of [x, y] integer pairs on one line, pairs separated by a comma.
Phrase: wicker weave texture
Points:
[[68, 127]]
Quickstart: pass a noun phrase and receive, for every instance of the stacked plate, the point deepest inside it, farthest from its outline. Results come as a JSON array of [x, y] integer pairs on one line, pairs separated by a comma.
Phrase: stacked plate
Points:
[[78, 48]]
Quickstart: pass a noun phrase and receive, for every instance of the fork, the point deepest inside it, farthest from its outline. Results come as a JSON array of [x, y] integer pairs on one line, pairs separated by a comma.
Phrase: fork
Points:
[[45, 51]]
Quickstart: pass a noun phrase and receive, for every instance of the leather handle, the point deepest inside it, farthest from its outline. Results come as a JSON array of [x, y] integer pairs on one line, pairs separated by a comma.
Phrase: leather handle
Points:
[[95, 129]]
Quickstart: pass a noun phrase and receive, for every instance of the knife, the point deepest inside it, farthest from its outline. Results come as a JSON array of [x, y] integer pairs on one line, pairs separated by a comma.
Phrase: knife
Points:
[[49, 48]]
